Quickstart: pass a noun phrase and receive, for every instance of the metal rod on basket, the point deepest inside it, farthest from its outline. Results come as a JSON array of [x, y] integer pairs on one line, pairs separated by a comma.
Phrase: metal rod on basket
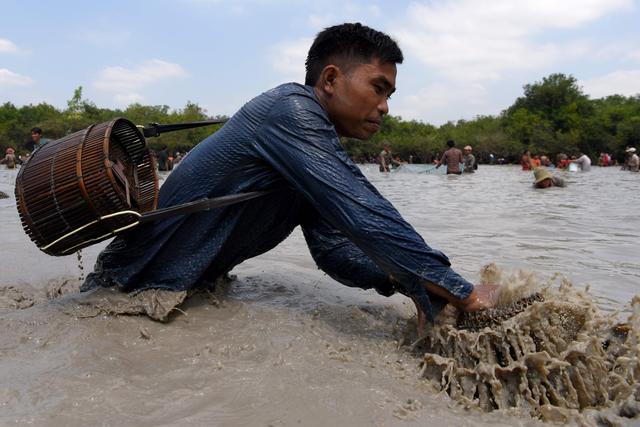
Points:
[[155, 129]]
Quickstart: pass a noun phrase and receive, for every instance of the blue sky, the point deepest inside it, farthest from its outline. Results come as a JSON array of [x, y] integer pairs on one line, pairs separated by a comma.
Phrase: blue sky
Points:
[[463, 58]]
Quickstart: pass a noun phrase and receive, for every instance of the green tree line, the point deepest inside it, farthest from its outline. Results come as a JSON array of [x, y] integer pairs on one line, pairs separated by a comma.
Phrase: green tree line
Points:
[[16, 122], [552, 116]]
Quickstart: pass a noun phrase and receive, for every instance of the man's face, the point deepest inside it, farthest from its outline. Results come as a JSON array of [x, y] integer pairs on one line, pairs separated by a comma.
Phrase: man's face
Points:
[[545, 183], [359, 98], [36, 137]]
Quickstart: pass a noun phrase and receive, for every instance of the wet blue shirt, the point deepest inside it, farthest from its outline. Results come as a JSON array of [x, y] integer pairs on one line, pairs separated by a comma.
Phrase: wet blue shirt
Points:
[[282, 139]]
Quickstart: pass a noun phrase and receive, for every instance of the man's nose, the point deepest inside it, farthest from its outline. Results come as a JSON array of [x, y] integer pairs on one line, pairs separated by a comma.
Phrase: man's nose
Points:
[[383, 107]]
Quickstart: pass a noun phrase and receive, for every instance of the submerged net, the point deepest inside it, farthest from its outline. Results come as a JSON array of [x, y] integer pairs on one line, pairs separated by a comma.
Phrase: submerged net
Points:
[[555, 359]]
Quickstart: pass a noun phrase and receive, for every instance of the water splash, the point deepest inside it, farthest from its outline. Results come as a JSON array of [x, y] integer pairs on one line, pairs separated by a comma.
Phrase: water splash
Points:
[[558, 360]]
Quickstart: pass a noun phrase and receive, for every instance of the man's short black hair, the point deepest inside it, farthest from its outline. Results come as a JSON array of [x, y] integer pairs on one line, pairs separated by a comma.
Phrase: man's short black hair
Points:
[[342, 44], [451, 143], [36, 130]]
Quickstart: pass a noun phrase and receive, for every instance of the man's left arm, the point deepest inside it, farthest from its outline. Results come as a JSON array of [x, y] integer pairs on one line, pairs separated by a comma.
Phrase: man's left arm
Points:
[[337, 256]]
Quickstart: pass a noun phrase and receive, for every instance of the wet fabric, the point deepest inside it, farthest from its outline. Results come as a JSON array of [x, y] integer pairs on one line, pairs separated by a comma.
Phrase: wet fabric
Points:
[[282, 139], [584, 162]]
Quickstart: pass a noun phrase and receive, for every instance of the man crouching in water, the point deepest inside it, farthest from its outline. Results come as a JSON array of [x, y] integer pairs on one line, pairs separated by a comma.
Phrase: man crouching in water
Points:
[[288, 140]]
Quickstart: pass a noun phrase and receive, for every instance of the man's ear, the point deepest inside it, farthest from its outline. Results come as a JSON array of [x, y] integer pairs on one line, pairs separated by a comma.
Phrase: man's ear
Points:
[[328, 78]]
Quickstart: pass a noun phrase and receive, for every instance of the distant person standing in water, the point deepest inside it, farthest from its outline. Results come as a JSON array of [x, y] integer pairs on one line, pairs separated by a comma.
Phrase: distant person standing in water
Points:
[[544, 161], [163, 159], [605, 159], [583, 162], [35, 141], [396, 162], [469, 160], [386, 159], [563, 161], [452, 158], [535, 162], [10, 159], [525, 160], [633, 161]]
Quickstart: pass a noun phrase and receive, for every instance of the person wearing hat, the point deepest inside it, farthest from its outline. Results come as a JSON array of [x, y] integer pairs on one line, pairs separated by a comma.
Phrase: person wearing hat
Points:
[[469, 160], [545, 179], [633, 161]]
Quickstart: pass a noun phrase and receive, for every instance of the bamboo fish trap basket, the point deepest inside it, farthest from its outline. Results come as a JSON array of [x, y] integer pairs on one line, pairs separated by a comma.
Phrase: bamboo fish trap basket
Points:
[[87, 186]]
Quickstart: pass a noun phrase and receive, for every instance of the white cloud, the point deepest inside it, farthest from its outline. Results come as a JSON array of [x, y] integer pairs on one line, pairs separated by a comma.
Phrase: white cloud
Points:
[[474, 41], [623, 82], [433, 103], [128, 99], [7, 46], [9, 78], [620, 51], [288, 58], [121, 79], [126, 83]]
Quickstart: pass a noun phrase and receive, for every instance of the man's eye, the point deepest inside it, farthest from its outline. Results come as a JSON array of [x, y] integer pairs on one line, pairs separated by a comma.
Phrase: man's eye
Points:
[[379, 89]]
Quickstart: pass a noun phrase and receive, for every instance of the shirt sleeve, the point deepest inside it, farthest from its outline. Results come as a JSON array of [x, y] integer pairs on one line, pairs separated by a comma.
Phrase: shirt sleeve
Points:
[[299, 141], [337, 256]]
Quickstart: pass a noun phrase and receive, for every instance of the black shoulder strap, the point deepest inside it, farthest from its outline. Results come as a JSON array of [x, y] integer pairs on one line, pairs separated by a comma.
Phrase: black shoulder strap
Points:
[[201, 205]]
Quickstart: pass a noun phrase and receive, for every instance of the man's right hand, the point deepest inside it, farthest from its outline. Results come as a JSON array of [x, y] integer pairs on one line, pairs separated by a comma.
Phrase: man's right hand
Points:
[[482, 297]]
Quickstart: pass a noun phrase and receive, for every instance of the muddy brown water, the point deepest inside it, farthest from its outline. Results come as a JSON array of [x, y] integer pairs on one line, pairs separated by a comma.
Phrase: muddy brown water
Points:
[[286, 345]]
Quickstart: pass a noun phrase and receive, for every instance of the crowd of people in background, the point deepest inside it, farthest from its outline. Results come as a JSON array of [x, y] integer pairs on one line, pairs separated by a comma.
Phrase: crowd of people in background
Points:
[[469, 163], [35, 141], [582, 162], [165, 158], [456, 161]]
